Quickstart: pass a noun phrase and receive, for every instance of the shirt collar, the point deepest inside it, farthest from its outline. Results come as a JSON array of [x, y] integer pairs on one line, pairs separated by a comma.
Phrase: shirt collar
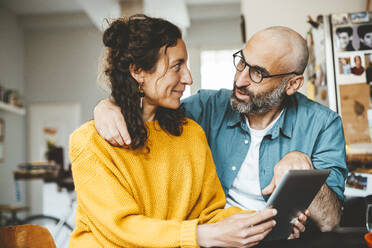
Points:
[[234, 118], [287, 121], [284, 125]]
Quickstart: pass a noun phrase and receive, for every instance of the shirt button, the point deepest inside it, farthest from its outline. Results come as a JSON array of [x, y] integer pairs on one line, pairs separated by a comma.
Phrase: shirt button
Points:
[[245, 141], [233, 168]]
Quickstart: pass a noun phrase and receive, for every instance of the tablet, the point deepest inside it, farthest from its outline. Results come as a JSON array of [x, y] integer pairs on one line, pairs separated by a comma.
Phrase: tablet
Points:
[[294, 193]]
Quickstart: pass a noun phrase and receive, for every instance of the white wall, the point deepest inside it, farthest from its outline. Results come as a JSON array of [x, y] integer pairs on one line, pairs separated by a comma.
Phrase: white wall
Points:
[[292, 13], [61, 65], [210, 34], [11, 76]]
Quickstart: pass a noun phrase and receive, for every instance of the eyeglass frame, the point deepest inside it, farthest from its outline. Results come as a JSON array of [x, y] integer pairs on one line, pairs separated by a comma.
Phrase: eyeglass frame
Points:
[[260, 71]]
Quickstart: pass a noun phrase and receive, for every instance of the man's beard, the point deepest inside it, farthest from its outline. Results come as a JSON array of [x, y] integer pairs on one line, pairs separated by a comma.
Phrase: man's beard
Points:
[[259, 103]]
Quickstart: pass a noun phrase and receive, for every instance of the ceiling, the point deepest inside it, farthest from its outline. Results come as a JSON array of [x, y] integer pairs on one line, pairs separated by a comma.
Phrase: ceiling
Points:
[[26, 7], [180, 12]]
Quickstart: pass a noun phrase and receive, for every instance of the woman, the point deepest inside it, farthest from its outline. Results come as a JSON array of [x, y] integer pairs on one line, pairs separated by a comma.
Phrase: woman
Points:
[[161, 191]]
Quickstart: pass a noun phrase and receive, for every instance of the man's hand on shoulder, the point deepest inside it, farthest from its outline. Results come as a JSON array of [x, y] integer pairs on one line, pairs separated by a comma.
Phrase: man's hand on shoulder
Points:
[[110, 123]]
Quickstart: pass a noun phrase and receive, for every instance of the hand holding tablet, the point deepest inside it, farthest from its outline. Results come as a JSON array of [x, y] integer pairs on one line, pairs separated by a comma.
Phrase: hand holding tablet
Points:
[[294, 194]]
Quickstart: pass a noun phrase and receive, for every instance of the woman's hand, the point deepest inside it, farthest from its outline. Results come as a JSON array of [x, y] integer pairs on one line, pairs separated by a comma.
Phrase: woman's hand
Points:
[[239, 230]]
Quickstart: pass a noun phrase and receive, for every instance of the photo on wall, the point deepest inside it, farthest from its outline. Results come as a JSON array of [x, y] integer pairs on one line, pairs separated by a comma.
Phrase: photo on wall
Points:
[[339, 19], [368, 61], [359, 17], [368, 65], [365, 37], [344, 65], [357, 66], [352, 38], [356, 181], [344, 39]]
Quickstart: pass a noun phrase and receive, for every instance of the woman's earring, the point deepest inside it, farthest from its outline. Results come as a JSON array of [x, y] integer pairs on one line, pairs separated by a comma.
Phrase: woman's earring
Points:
[[141, 94]]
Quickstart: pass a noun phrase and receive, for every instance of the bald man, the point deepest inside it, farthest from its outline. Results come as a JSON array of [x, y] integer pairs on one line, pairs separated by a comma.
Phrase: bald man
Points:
[[263, 127]]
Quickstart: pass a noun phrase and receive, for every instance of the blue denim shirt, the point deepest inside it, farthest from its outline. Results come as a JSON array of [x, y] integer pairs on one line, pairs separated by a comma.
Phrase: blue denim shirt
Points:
[[304, 126]]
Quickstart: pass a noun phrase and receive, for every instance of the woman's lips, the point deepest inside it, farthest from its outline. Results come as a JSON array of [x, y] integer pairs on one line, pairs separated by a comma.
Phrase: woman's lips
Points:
[[178, 92]]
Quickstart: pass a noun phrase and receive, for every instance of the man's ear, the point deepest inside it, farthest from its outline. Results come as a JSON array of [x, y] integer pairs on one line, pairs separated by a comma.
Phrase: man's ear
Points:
[[137, 74], [294, 84]]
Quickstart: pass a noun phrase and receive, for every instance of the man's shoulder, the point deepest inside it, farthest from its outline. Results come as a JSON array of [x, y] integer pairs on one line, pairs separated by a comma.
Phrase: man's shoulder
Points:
[[313, 109], [221, 94]]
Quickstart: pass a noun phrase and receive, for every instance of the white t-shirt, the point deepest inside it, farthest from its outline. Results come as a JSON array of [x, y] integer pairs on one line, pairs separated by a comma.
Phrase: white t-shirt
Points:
[[245, 191]]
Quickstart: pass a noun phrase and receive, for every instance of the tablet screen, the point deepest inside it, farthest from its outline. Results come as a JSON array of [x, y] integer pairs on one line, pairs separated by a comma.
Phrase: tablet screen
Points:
[[294, 194]]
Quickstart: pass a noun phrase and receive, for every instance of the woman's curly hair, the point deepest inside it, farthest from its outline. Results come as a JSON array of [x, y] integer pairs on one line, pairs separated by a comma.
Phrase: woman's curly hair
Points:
[[137, 41]]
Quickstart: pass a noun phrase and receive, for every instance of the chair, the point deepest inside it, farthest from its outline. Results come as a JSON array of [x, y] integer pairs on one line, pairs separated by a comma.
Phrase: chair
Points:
[[26, 236]]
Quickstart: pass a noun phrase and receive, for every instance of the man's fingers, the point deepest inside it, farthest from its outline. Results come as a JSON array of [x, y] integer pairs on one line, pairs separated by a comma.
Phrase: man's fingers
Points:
[[261, 216], [302, 218], [296, 233], [307, 213], [115, 137], [123, 130], [298, 225], [269, 188]]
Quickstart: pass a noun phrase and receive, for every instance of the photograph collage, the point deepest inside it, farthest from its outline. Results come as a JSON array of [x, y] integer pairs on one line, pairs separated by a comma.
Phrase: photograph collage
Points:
[[352, 37]]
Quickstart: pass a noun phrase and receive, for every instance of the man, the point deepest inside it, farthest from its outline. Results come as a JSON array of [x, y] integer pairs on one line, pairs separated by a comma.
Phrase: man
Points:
[[263, 127], [365, 37], [345, 37]]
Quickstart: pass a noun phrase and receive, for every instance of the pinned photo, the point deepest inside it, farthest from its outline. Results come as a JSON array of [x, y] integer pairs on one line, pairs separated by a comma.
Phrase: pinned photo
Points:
[[360, 17], [368, 64], [344, 65], [358, 68], [344, 39], [357, 182], [365, 37], [339, 19]]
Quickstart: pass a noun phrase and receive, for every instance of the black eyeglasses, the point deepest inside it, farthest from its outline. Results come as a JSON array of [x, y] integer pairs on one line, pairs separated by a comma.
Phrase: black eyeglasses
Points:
[[256, 74]]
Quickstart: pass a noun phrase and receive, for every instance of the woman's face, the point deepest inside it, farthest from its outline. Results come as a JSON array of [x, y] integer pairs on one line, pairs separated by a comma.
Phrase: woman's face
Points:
[[165, 85]]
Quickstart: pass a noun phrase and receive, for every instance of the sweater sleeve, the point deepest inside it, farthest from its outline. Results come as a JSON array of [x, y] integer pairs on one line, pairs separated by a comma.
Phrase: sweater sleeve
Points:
[[113, 215]]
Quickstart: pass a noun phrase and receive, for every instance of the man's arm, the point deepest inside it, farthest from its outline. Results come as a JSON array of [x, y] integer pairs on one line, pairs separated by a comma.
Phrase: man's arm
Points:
[[325, 209], [111, 125], [329, 153]]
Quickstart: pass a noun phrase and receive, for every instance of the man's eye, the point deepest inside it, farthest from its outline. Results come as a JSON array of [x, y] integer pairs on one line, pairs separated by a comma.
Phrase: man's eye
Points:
[[177, 67]]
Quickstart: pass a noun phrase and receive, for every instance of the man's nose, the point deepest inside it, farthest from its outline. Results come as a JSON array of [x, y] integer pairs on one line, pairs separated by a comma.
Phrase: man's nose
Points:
[[242, 79]]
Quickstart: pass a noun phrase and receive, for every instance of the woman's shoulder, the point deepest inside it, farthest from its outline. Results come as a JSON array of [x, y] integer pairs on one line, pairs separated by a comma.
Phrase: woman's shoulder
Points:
[[85, 137], [193, 130], [193, 126], [84, 134]]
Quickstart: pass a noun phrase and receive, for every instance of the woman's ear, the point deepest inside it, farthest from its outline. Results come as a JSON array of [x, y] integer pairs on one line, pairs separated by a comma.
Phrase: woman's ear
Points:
[[294, 84], [137, 74]]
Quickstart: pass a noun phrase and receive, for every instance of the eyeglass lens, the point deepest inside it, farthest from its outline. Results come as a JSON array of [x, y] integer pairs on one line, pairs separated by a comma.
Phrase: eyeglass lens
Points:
[[254, 74]]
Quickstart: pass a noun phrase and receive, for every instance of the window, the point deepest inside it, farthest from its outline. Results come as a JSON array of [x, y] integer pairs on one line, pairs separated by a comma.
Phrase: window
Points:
[[217, 69]]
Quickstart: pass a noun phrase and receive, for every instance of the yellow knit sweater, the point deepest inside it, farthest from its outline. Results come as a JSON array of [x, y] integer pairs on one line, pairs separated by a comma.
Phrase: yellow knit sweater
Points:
[[132, 198]]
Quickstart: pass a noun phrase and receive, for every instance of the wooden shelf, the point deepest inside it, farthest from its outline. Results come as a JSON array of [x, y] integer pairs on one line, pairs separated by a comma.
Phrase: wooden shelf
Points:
[[13, 109]]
